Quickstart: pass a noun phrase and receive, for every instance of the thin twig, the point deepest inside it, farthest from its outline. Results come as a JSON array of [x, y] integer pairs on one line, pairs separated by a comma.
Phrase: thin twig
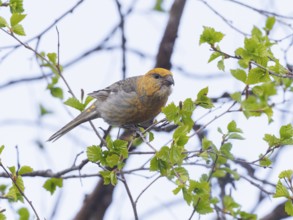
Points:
[[228, 22], [261, 11], [129, 195], [148, 186], [57, 20], [256, 185], [123, 38], [145, 141], [20, 191]]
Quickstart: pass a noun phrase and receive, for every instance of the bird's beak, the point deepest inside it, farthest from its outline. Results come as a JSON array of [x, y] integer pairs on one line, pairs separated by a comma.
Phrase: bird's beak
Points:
[[169, 80]]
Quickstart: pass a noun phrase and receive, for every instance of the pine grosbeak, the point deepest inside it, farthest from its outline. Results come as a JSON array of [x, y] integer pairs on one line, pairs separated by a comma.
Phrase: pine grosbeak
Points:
[[127, 102]]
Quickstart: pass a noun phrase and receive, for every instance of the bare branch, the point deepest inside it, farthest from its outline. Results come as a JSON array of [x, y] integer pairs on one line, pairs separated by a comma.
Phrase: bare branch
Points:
[[130, 196]]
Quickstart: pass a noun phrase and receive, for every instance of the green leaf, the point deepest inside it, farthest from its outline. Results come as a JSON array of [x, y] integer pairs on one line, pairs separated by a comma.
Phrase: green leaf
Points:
[[1, 148], [109, 177], [252, 106], [176, 155], [270, 23], [109, 143], [289, 208], [13, 192], [172, 112], [202, 99], [25, 169], [55, 80], [56, 92], [229, 203], [201, 188], [226, 152], [258, 90], [256, 32], [272, 140], [201, 197], [220, 130], [20, 184], [236, 96], [204, 205], [88, 100], [154, 166], [239, 74], [12, 169], [23, 214], [177, 190], [94, 153], [164, 168], [281, 191], [158, 6], [113, 178], [210, 36], [219, 173], [286, 174], [235, 136], [120, 147], [3, 22], [16, 6], [16, 18], [265, 161], [182, 174], [187, 195], [112, 160], [118, 144], [163, 153], [247, 216], [2, 216], [180, 135], [206, 144], [188, 106], [286, 131], [232, 127], [106, 176], [214, 56], [52, 57], [151, 136], [186, 112], [52, 184], [74, 103], [43, 110], [18, 29], [221, 65], [257, 75]]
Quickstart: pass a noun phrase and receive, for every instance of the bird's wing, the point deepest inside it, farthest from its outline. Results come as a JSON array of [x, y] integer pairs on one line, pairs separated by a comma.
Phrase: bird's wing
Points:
[[127, 86]]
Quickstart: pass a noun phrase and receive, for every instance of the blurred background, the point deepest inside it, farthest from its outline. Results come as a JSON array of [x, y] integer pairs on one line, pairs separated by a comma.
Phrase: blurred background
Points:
[[91, 36]]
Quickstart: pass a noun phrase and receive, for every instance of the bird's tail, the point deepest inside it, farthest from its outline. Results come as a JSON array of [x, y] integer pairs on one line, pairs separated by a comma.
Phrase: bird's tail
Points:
[[81, 118]]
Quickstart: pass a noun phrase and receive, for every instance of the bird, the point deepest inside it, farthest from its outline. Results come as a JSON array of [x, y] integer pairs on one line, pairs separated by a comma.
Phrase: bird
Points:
[[125, 103]]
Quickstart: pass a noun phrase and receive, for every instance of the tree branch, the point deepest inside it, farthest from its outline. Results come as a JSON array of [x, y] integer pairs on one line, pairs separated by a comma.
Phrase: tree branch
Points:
[[168, 41]]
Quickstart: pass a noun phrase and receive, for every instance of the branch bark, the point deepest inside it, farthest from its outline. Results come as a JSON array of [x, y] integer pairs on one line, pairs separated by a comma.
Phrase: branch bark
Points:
[[167, 44], [96, 204], [277, 213]]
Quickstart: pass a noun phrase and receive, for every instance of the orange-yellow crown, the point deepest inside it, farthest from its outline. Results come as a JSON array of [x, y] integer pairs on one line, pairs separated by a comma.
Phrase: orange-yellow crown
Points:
[[161, 71]]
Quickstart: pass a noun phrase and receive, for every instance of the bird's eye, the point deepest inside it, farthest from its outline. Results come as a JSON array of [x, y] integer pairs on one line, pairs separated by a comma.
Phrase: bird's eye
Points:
[[157, 76]]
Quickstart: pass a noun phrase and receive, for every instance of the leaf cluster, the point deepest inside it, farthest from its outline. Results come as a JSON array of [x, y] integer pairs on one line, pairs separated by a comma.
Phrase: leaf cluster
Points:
[[112, 158], [14, 26]]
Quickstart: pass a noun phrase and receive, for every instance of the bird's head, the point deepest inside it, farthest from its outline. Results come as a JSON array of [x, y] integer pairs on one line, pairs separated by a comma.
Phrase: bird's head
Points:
[[157, 81]]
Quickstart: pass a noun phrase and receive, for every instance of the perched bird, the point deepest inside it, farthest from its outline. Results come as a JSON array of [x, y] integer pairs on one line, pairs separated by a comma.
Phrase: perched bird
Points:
[[128, 102]]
